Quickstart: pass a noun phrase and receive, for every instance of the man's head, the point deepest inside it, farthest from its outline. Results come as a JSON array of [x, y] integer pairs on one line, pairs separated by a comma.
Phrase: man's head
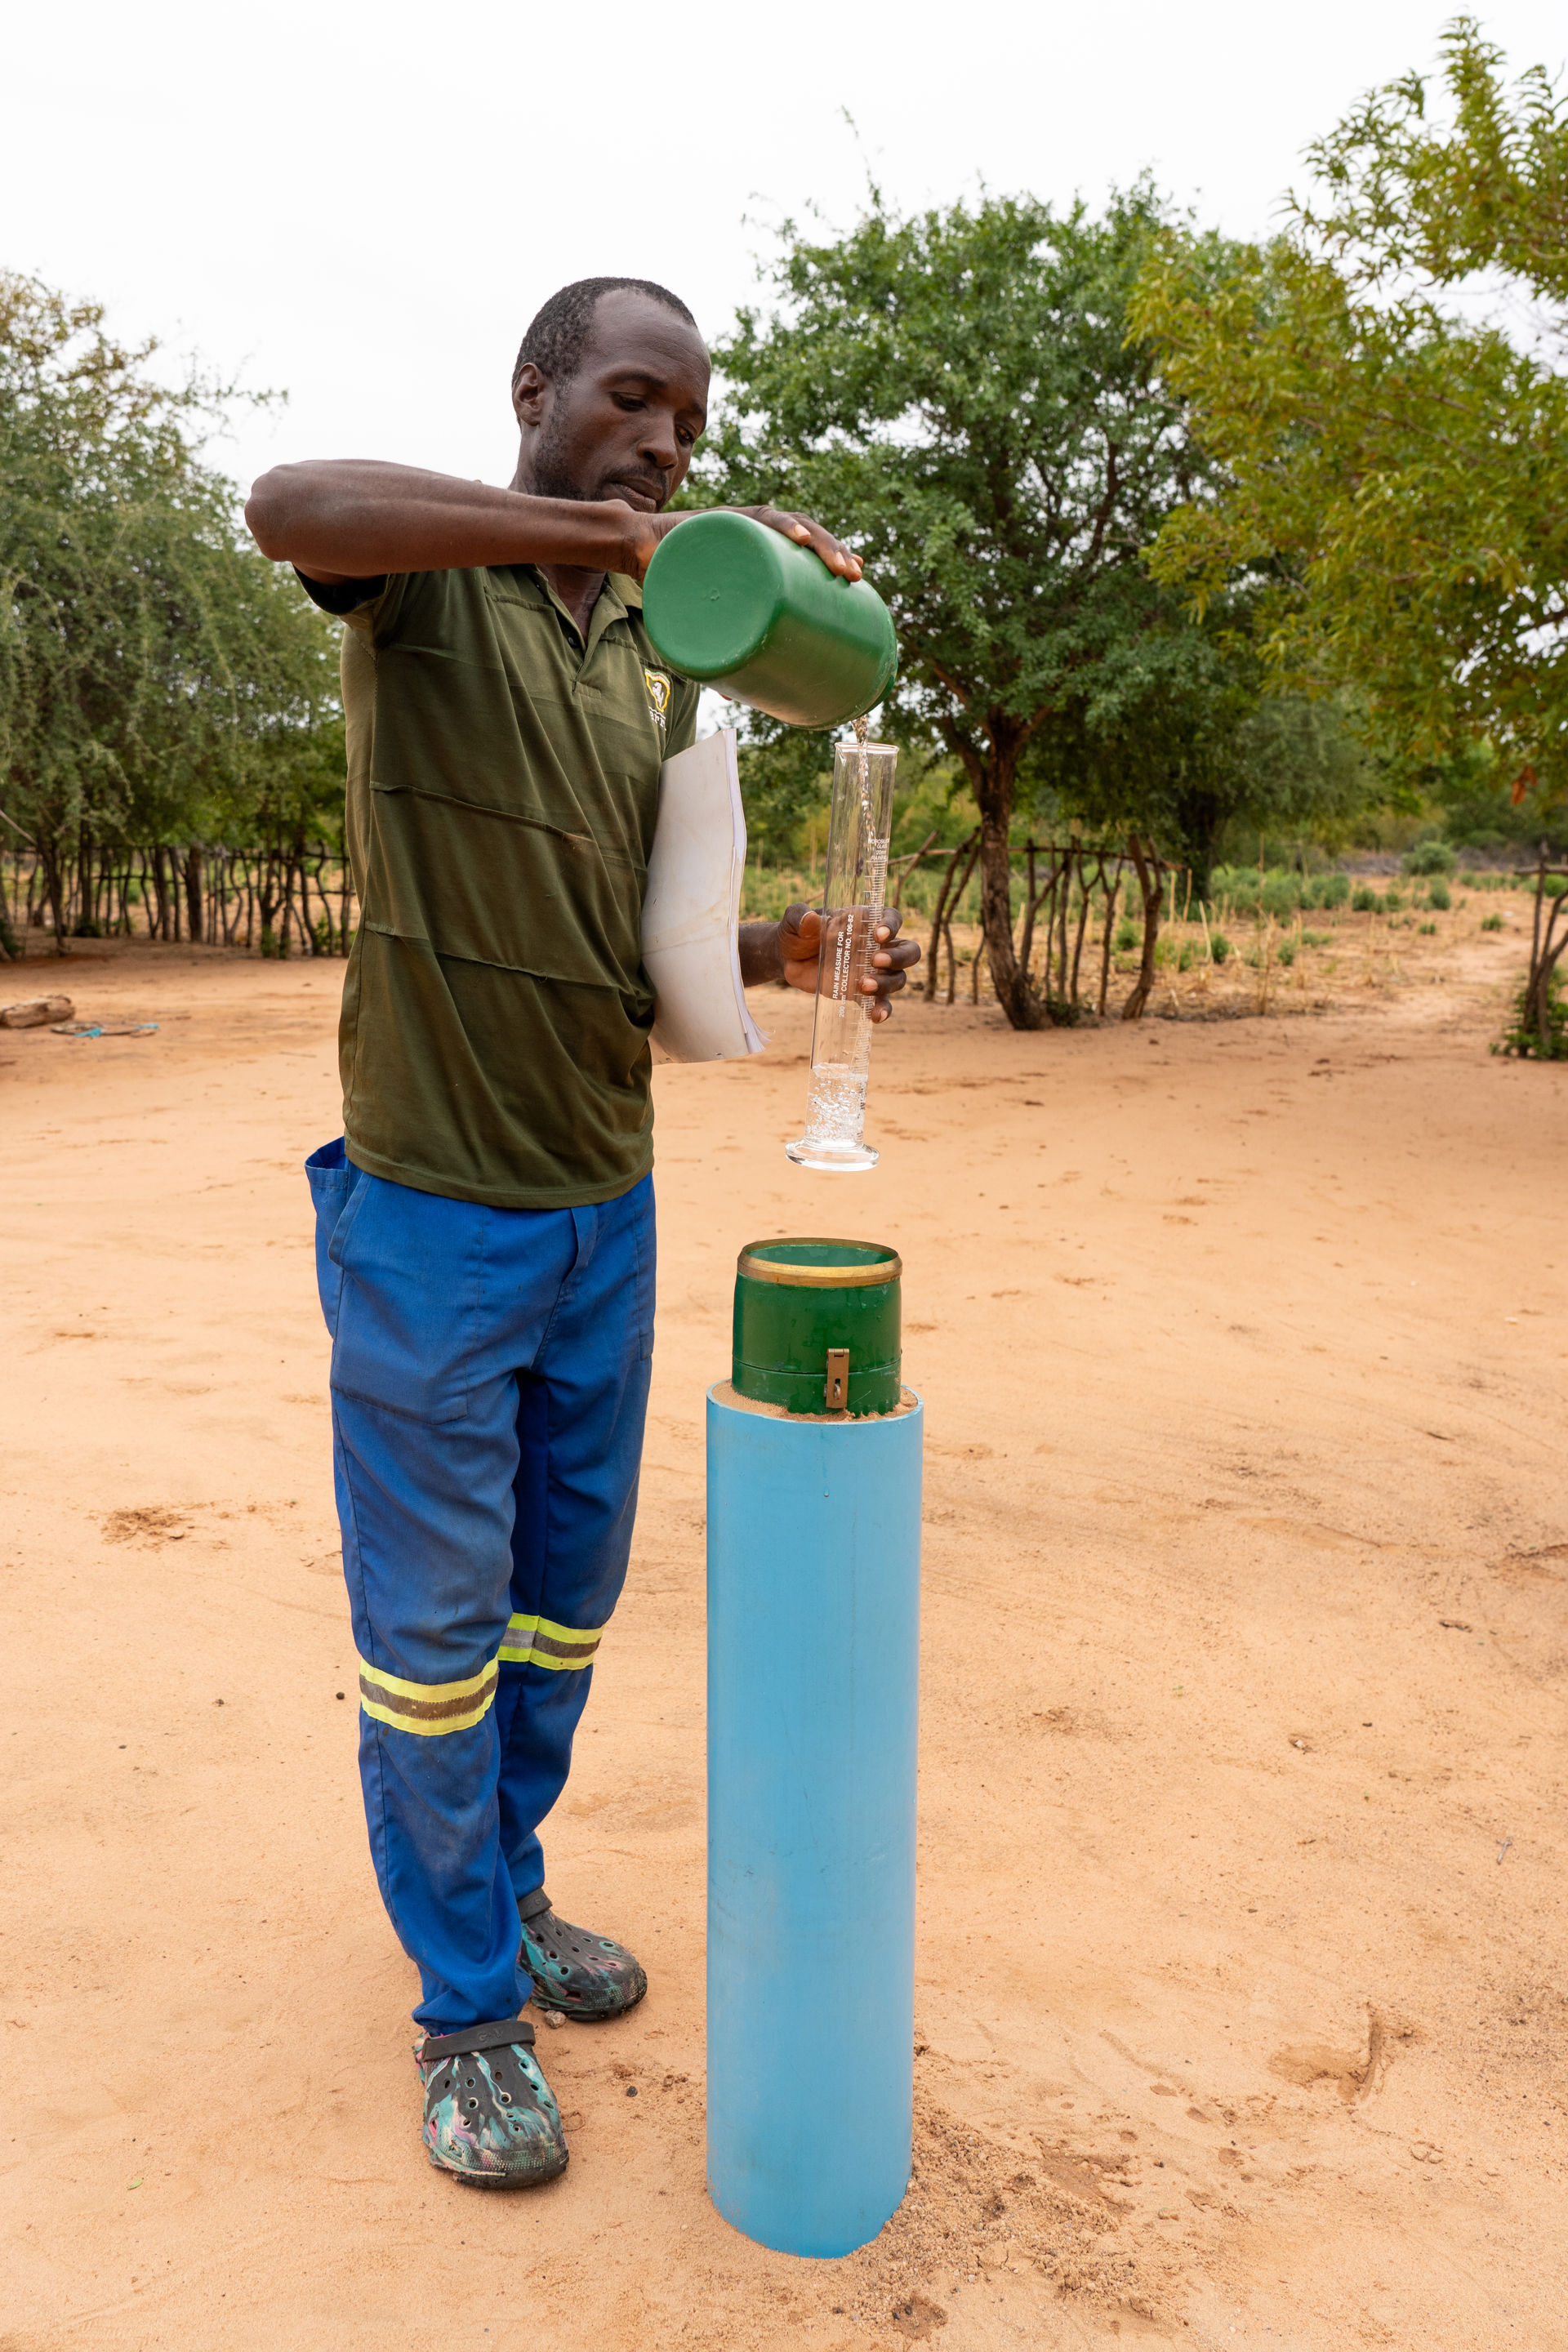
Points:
[[611, 392]]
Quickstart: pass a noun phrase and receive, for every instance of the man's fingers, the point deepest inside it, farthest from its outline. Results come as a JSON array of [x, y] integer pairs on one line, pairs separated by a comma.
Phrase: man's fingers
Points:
[[795, 938], [807, 533]]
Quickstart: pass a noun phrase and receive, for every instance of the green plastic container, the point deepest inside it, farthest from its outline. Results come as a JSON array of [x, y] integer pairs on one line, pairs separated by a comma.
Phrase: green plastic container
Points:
[[817, 1325], [740, 607]]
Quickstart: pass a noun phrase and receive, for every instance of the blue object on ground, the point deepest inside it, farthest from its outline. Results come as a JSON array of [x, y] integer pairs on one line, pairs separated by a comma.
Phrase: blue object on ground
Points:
[[814, 1531]]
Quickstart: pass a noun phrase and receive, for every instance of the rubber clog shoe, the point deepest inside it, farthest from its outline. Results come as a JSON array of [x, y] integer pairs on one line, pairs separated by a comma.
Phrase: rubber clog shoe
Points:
[[490, 2117], [582, 1975]]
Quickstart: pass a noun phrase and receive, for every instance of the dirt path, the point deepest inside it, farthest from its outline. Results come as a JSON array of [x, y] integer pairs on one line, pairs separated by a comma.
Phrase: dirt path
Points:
[[1243, 1989]]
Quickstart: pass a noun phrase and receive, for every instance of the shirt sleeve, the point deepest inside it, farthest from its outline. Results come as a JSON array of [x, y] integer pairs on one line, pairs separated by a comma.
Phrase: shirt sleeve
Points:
[[371, 606], [340, 596]]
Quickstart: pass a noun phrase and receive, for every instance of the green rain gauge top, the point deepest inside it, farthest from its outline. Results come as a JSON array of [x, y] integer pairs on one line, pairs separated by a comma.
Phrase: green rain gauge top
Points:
[[817, 1325], [739, 607]]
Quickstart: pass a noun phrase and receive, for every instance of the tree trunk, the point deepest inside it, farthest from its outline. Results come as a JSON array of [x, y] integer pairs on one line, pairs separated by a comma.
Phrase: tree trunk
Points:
[[81, 907], [945, 899], [158, 922], [1014, 991], [268, 901], [194, 893], [54, 893], [1146, 866]]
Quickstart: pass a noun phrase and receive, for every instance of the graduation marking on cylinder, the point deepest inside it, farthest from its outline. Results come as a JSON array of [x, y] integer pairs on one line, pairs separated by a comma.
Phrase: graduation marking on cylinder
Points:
[[814, 1504]]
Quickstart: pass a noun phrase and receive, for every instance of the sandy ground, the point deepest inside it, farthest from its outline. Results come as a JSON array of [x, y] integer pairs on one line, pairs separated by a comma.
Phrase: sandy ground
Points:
[[1242, 1987]]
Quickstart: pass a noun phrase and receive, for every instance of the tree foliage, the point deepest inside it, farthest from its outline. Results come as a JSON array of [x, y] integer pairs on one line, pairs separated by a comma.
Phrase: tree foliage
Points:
[[958, 393], [1392, 471], [160, 681]]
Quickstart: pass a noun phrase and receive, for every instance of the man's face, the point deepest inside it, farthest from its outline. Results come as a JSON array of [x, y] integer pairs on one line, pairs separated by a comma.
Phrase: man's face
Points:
[[625, 426]]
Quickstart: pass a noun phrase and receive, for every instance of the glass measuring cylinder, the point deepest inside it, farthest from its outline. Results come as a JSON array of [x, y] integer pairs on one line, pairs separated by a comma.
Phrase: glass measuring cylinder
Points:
[[852, 908]]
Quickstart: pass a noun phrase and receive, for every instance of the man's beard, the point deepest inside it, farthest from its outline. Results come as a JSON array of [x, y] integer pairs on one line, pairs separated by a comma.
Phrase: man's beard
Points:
[[551, 480]]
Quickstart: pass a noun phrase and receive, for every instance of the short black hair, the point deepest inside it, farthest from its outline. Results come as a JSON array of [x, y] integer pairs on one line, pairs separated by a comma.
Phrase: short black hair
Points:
[[559, 330]]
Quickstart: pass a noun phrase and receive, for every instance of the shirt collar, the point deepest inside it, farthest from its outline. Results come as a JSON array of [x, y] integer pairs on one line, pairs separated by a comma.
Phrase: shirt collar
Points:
[[618, 598]]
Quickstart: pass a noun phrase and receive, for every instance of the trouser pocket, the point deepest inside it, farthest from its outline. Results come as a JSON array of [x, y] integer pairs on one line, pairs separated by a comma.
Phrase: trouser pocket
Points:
[[409, 1267], [332, 1178]]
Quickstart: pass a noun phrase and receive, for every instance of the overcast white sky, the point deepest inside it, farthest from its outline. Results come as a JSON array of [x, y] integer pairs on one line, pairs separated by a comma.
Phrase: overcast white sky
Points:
[[363, 205]]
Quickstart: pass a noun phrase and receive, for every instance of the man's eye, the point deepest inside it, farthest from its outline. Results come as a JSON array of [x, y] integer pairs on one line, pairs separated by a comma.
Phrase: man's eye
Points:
[[624, 400]]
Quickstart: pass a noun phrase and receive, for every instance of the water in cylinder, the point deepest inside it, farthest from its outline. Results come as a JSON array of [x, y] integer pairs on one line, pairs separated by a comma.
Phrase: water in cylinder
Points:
[[852, 910]]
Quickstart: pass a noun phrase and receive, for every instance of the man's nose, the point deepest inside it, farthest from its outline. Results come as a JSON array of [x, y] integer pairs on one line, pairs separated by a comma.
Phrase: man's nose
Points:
[[658, 445]]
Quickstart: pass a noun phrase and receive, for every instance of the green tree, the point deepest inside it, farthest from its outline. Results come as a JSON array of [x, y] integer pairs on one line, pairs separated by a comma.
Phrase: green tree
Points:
[[958, 393], [153, 667], [1392, 471]]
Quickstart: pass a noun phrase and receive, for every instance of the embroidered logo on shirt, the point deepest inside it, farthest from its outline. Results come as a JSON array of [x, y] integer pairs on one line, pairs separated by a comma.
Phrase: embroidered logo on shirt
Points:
[[658, 693]]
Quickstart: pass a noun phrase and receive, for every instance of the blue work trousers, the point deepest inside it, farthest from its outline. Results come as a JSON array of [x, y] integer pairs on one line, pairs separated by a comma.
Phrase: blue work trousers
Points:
[[489, 1385]]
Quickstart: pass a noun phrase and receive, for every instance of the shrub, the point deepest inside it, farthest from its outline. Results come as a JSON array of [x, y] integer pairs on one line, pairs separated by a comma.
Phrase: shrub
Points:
[[1287, 955], [1126, 937], [1426, 927], [1184, 960], [1437, 896], [1430, 857], [1317, 938], [1365, 901], [1524, 1037], [1491, 922], [1281, 894], [1220, 946], [1392, 900]]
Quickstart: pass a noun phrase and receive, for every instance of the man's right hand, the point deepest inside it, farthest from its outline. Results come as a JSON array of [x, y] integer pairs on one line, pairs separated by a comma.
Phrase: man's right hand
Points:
[[799, 528]]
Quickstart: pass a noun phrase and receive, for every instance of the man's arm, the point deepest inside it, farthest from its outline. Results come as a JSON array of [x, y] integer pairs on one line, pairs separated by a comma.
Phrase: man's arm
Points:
[[355, 519]]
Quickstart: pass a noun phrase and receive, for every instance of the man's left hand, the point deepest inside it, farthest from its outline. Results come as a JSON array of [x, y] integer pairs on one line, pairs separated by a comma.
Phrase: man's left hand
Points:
[[790, 950]]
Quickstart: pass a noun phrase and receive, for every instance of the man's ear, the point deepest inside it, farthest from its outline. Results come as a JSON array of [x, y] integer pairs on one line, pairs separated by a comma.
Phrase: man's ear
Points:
[[530, 394]]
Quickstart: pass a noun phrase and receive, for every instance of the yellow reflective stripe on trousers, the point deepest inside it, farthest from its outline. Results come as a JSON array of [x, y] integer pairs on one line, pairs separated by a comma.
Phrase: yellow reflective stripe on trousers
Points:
[[427, 1708], [536, 1642]]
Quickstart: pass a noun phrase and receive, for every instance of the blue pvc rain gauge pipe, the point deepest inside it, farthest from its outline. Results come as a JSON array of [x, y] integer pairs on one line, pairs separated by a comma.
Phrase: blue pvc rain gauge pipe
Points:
[[814, 1528]]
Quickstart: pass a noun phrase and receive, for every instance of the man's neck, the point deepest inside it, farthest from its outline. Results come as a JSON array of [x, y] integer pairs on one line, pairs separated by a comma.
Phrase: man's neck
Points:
[[578, 590]]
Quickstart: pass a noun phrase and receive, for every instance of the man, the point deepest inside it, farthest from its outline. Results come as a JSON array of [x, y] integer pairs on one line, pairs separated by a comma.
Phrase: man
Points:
[[485, 1225]]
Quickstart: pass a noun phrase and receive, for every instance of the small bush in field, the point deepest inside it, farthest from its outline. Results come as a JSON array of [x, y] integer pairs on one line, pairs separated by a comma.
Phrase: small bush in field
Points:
[[1287, 955], [1126, 938], [1394, 899], [1491, 922], [1430, 857], [1525, 1039], [1437, 896], [1220, 946], [1365, 901], [1317, 938], [1427, 928]]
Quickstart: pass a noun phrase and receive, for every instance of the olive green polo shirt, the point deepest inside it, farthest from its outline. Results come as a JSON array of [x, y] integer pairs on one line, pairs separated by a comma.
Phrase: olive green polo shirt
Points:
[[503, 792]]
